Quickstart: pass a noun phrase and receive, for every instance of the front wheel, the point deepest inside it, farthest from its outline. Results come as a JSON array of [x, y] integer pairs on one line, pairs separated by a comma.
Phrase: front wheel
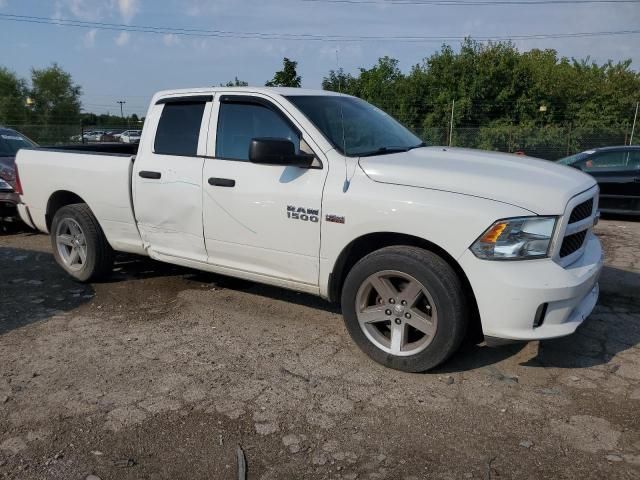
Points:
[[405, 307], [79, 245]]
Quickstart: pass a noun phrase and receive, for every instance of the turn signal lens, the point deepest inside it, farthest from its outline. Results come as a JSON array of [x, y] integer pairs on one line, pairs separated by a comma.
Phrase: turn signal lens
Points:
[[492, 235]]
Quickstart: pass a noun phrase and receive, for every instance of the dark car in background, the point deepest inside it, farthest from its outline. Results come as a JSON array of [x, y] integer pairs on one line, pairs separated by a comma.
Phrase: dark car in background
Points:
[[10, 142], [617, 171]]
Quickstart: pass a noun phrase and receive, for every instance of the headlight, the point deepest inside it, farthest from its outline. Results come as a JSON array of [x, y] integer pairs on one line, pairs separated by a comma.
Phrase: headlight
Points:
[[516, 239], [5, 187]]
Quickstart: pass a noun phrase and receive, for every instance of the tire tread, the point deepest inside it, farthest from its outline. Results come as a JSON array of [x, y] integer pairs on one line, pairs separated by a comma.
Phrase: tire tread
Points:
[[452, 288], [104, 255]]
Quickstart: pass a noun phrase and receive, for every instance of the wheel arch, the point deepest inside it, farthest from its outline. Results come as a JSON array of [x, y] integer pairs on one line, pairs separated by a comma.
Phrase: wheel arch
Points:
[[59, 199], [366, 244]]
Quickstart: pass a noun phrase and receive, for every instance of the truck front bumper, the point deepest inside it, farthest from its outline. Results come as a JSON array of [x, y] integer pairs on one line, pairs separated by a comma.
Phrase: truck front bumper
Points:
[[534, 299]]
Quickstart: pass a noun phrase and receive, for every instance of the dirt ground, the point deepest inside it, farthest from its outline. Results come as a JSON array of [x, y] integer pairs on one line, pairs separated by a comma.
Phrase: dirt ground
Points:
[[161, 372]]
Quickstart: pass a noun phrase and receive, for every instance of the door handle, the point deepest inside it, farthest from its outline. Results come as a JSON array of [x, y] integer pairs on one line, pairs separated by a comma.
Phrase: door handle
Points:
[[150, 175], [222, 182]]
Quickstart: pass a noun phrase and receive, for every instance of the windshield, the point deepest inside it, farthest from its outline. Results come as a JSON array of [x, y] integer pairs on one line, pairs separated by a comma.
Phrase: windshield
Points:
[[355, 127], [11, 142], [574, 158]]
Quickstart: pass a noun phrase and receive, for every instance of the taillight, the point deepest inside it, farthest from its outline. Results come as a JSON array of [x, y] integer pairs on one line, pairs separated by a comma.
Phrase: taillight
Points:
[[18, 187]]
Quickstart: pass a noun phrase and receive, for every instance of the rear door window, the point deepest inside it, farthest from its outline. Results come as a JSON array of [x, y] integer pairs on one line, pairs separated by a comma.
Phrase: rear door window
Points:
[[179, 129]]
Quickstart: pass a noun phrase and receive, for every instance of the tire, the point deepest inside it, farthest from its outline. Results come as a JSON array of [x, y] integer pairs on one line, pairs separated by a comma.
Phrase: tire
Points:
[[419, 334], [74, 227]]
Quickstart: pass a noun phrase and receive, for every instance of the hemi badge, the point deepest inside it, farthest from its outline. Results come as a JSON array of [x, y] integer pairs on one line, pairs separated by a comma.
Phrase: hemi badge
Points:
[[334, 219]]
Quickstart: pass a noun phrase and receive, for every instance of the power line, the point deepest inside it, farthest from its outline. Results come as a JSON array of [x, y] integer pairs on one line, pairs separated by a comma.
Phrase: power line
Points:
[[471, 3], [298, 36]]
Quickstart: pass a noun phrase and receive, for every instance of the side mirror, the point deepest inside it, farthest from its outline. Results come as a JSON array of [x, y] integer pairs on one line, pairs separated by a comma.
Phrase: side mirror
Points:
[[277, 151]]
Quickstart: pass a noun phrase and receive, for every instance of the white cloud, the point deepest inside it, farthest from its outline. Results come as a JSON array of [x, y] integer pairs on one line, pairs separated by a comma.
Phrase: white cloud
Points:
[[170, 39], [199, 8], [89, 10], [201, 43], [90, 38], [128, 9], [93, 10], [122, 39]]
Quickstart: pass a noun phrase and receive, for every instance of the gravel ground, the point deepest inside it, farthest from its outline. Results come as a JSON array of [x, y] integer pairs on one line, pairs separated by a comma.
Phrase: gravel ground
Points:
[[161, 372]]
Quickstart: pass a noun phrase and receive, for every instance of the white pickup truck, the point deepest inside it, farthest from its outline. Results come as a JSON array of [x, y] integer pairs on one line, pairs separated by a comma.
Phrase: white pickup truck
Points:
[[323, 193]]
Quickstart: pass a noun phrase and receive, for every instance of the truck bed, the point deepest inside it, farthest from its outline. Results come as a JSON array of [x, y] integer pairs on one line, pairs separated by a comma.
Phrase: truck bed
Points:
[[99, 175]]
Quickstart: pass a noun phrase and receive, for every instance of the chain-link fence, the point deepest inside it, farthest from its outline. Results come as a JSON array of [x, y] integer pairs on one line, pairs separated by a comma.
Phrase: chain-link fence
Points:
[[550, 142], [65, 134]]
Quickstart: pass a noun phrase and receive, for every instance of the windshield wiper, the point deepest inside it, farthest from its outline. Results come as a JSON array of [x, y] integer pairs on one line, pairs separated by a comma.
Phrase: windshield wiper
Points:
[[420, 145], [383, 151]]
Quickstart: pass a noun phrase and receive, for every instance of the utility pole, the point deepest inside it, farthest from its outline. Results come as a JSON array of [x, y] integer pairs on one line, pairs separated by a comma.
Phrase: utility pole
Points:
[[121, 102], [635, 117], [453, 106]]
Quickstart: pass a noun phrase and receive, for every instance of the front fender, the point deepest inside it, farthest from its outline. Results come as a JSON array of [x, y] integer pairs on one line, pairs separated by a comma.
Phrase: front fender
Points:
[[450, 221]]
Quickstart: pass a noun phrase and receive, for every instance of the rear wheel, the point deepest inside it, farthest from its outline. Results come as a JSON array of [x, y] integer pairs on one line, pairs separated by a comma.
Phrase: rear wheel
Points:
[[79, 245], [405, 307]]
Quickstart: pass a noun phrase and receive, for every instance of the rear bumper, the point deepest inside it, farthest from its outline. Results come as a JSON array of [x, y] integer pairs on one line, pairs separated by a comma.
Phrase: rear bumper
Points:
[[510, 293], [25, 216], [8, 203]]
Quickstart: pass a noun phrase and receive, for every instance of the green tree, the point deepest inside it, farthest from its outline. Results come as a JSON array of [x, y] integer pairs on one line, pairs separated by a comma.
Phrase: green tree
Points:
[[338, 81], [287, 77], [13, 97], [498, 93], [56, 97]]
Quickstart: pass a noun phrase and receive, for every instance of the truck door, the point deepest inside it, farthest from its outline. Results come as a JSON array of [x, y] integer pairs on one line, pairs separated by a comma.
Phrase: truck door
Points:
[[261, 219], [167, 177]]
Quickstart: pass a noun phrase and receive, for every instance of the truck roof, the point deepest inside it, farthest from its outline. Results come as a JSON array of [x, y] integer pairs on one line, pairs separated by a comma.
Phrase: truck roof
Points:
[[284, 91]]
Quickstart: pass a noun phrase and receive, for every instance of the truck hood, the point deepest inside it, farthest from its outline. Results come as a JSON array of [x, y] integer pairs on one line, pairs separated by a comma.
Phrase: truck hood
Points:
[[540, 186]]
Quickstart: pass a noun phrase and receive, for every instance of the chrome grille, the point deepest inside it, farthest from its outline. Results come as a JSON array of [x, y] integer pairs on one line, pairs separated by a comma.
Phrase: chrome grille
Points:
[[572, 243], [577, 222], [582, 211]]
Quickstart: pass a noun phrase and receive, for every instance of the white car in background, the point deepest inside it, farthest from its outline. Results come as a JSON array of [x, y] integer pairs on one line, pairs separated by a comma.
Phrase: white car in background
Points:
[[130, 136], [96, 136]]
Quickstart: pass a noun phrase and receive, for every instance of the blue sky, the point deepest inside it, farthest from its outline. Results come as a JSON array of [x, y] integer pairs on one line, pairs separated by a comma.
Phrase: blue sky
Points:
[[113, 65]]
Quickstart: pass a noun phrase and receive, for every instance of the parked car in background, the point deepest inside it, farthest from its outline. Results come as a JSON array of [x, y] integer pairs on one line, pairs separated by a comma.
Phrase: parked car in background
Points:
[[131, 136], [97, 136], [84, 137], [10, 142], [617, 171], [115, 134]]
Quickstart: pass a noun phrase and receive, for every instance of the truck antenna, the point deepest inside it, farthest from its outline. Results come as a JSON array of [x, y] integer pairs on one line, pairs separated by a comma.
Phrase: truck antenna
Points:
[[345, 185]]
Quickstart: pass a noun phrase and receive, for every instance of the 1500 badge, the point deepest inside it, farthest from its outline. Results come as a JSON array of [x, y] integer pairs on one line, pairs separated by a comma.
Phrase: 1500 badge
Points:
[[304, 214]]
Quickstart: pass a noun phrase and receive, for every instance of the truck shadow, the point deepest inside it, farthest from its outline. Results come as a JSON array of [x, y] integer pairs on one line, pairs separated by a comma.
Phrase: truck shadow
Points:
[[266, 291], [13, 227], [34, 289]]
